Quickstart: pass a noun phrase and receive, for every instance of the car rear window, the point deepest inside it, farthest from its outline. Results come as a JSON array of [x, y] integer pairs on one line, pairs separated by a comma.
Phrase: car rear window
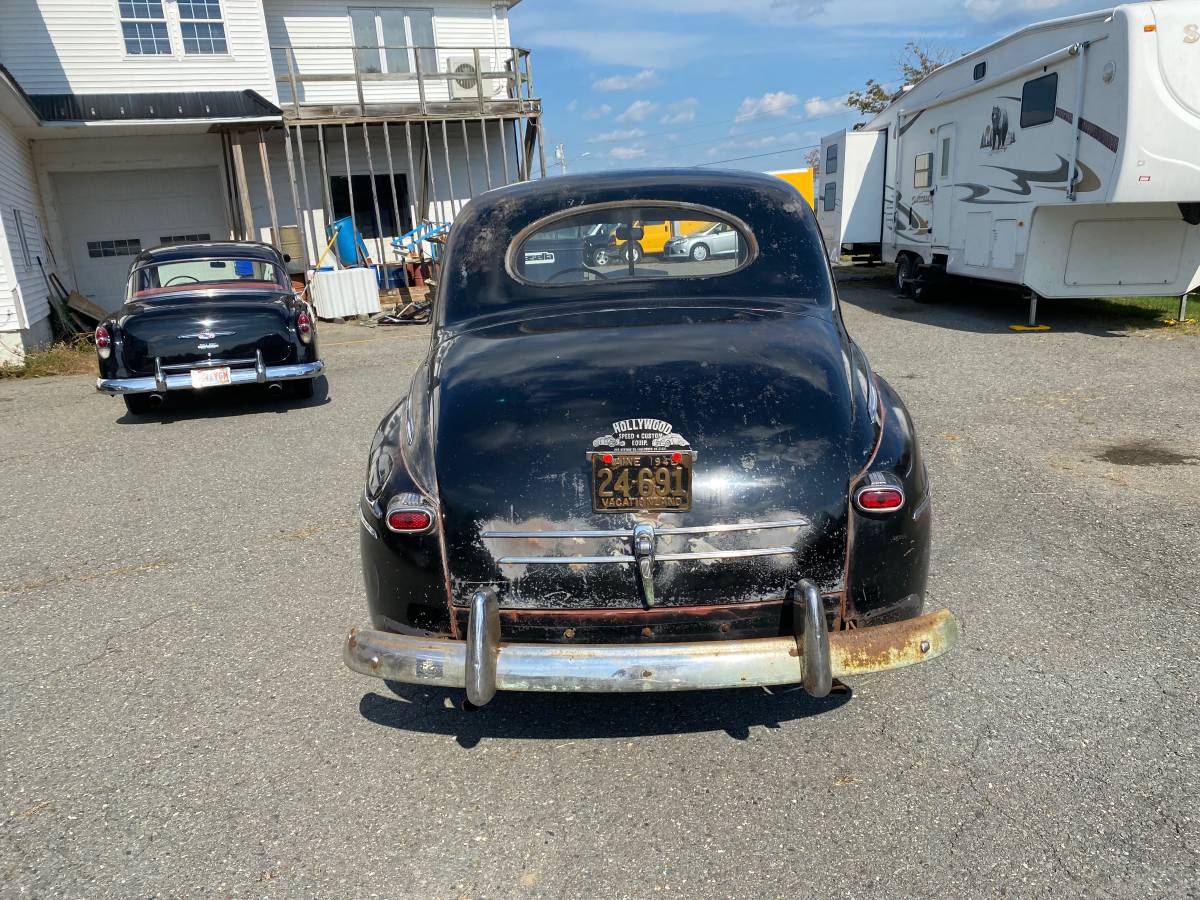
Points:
[[193, 273], [619, 242]]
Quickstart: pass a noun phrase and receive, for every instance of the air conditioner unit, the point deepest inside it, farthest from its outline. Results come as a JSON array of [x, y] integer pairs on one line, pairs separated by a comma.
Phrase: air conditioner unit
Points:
[[463, 87]]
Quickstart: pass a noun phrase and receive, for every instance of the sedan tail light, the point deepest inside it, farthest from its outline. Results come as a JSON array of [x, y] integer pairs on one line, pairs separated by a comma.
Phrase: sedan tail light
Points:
[[304, 327], [408, 514], [103, 342], [880, 496]]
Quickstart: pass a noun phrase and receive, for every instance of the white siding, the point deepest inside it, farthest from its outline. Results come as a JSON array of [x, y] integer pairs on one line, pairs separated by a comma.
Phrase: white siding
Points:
[[315, 24], [21, 285], [75, 46]]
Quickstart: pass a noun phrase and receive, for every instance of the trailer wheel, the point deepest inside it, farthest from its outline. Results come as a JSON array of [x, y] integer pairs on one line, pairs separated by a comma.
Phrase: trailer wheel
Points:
[[906, 273], [929, 286]]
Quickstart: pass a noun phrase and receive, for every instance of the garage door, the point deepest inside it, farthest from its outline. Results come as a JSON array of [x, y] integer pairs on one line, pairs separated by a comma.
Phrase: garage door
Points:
[[109, 217]]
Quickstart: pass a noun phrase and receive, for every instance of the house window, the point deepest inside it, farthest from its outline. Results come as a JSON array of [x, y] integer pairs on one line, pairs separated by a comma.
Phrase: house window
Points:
[[185, 238], [19, 220], [980, 70], [364, 203], [114, 247], [831, 160], [1038, 98], [144, 27], [830, 196], [923, 170], [201, 27], [385, 38]]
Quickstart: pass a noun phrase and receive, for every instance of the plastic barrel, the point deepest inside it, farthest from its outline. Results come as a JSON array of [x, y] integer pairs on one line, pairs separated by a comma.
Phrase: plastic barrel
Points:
[[346, 239]]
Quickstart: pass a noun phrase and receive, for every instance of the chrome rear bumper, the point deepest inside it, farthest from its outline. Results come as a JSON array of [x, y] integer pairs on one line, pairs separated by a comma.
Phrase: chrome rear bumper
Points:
[[483, 665], [161, 382]]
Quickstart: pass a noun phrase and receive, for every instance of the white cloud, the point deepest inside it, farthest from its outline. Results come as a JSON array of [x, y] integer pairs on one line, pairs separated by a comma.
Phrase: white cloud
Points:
[[598, 112], [638, 111], [987, 10], [627, 152], [621, 134], [683, 111], [572, 106], [620, 48], [823, 106], [642, 79], [772, 103]]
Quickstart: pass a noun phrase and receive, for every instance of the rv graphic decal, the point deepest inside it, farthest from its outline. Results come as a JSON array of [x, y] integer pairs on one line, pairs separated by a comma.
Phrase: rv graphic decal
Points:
[[908, 225], [1091, 129], [1026, 180], [996, 134]]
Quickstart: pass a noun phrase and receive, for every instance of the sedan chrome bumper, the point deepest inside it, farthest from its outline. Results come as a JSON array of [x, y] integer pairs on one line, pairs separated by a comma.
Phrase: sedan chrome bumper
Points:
[[160, 381], [483, 665]]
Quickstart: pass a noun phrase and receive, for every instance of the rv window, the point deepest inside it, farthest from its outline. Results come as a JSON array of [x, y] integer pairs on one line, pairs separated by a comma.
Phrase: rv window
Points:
[[830, 196], [945, 163], [923, 170], [831, 160], [980, 70], [1038, 98]]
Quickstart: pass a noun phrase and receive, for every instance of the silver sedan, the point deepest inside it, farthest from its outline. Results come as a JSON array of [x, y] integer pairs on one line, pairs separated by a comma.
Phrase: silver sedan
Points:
[[717, 239]]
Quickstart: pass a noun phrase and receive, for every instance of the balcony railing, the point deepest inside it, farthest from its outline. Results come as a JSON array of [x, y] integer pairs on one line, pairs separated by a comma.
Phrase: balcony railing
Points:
[[330, 81]]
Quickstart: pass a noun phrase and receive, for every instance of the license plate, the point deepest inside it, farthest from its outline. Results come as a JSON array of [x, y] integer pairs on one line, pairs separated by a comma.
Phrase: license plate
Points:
[[652, 482], [202, 378]]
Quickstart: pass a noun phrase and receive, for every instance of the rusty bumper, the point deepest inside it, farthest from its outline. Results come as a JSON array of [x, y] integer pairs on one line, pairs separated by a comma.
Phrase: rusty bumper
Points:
[[483, 664]]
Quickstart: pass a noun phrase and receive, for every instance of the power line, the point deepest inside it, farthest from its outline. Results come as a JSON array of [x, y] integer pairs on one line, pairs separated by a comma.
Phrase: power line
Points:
[[717, 162]]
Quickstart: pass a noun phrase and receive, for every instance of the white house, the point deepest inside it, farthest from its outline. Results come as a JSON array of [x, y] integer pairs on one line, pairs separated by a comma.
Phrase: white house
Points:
[[132, 123]]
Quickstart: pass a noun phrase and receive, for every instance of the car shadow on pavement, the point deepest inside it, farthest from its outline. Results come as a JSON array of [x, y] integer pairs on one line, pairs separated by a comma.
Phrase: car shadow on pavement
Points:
[[559, 717], [239, 400], [990, 309]]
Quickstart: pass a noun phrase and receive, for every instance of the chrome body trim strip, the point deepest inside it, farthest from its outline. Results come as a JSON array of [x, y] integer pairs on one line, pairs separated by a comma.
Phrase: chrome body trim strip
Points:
[[660, 530], [151, 385], [660, 557], [207, 364], [362, 519]]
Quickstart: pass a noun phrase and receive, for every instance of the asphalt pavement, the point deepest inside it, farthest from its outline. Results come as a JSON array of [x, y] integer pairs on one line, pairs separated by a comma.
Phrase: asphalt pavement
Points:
[[175, 719]]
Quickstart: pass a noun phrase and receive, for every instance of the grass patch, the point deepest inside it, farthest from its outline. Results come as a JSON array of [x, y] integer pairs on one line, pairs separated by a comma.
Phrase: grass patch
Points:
[[1136, 312], [77, 357]]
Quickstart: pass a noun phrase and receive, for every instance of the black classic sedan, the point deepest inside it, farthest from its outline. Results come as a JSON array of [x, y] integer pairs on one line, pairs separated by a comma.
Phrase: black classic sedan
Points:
[[204, 315], [654, 477]]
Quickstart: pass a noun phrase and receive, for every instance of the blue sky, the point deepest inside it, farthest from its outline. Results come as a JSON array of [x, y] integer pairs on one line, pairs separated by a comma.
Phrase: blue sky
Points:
[[629, 83]]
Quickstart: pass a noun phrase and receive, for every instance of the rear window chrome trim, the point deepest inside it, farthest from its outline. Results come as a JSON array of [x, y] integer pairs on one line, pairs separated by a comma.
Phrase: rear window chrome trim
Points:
[[548, 221]]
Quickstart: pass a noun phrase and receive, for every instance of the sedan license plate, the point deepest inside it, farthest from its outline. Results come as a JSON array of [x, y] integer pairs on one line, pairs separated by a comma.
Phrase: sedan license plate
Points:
[[651, 482], [202, 378]]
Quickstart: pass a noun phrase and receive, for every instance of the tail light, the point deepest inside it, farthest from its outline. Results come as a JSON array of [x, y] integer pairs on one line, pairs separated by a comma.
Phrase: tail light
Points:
[[409, 514], [103, 342], [304, 327], [880, 496]]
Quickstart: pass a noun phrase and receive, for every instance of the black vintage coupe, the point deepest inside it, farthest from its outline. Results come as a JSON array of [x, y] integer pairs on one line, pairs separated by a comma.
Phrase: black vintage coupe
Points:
[[646, 478], [204, 315]]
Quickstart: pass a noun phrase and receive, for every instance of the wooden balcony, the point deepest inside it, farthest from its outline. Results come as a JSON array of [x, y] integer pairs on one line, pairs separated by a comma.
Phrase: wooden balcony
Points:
[[339, 82]]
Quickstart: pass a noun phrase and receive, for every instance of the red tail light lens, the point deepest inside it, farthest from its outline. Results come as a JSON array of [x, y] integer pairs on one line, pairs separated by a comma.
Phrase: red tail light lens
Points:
[[103, 342], [304, 327], [879, 499], [409, 520]]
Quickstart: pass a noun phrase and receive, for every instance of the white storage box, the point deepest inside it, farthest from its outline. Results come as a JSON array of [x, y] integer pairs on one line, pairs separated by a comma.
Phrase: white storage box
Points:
[[340, 293]]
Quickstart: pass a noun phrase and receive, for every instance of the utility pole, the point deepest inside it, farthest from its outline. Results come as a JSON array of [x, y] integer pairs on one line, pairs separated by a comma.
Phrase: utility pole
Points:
[[560, 156]]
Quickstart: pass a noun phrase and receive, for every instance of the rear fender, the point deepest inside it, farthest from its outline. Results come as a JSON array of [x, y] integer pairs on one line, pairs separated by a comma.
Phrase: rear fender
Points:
[[404, 574], [888, 563]]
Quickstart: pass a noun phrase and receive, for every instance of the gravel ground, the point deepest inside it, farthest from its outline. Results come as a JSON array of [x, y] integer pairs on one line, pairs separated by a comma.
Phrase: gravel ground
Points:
[[175, 718]]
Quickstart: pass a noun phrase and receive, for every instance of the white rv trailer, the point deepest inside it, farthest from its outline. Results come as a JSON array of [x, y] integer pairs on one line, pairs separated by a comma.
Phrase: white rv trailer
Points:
[[1064, 158]]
